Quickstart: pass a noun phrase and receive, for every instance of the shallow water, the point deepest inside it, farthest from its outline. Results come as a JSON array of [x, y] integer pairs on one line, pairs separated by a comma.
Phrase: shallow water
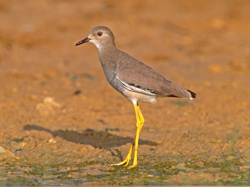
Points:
[[63, 124], [152, 170]]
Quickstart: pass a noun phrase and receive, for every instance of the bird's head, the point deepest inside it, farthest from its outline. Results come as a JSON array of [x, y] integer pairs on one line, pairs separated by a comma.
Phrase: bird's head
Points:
[[99, 36]]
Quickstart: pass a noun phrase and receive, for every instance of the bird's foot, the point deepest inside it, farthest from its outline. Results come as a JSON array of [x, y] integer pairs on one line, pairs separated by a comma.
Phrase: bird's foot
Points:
[[132, 166], [123, 163], [127, 159]]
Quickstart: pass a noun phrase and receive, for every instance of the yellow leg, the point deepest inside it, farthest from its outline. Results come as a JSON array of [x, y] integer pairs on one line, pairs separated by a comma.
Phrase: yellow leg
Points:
[[139, 124]]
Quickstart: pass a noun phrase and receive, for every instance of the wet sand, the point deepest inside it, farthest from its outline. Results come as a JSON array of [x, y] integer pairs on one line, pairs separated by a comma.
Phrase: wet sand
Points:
[[65, 124]]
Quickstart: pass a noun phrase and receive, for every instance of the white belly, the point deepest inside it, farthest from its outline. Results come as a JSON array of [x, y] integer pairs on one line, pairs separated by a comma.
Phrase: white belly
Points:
[[134, 97]]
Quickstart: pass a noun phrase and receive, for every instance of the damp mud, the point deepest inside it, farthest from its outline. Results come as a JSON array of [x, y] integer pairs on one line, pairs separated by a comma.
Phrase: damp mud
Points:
[[61, 123]]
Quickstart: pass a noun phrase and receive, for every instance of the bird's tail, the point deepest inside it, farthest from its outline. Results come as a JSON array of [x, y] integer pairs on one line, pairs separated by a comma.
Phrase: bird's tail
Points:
[[181, 92], [192, 94]]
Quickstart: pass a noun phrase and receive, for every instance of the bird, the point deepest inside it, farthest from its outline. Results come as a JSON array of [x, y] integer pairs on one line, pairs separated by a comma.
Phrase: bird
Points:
[[133, 79]]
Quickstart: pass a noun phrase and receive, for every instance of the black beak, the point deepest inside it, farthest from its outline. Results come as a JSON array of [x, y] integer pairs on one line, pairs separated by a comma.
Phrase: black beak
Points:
[[83, 41]]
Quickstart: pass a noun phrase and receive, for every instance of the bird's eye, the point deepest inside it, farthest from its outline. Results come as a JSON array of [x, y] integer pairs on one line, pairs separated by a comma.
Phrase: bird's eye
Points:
[[99, 33]]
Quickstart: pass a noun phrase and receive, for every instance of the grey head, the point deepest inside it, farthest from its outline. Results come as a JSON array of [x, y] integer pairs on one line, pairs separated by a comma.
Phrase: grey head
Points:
[[100, 36]]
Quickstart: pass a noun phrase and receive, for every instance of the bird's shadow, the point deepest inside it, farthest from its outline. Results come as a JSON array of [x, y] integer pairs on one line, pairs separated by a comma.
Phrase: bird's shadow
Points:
[[97, 139]]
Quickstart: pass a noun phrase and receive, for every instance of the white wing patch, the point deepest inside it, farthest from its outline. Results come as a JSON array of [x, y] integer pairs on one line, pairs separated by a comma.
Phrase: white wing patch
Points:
[[135, 89]]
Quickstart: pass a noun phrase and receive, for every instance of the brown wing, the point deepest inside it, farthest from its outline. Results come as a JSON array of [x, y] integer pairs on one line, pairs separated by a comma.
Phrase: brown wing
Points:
[[141, 76]]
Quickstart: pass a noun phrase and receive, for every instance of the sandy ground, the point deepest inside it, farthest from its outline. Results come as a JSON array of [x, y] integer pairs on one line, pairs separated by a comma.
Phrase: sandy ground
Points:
[[65, 124]]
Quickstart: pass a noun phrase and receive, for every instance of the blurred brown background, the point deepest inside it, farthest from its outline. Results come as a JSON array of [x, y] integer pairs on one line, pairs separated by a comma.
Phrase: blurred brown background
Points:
[[56, 103]]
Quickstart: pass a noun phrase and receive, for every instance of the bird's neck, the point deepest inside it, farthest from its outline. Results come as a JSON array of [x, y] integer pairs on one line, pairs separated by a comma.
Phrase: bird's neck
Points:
[[107, 55]]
